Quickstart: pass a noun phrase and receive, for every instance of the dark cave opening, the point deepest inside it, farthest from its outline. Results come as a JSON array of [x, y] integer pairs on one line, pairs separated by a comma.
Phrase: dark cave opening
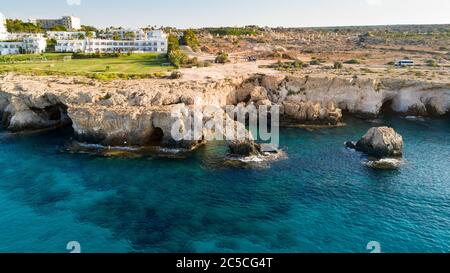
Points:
[[386, 107], [54, 114], [157, 136]]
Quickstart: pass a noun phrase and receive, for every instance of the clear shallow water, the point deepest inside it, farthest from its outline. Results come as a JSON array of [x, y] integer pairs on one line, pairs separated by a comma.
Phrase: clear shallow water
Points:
[[322, 199]]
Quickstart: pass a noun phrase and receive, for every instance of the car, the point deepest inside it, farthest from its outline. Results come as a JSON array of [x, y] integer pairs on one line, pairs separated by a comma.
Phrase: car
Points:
[[404, 63], [252, 58]]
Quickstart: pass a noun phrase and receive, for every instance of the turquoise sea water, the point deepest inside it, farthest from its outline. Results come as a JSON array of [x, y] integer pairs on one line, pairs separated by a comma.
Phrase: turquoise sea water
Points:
[[321, 199]]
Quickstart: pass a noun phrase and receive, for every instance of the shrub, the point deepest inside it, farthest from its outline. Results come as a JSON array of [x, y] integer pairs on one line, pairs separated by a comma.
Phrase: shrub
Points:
[[233, 31], [338, 65], [173, 43], [58, 28], [353, 61], [366, 70], [190, 39], [277, 55], [288, 66], [20, 26], [314, 62], [176, 75], [288, 56], [178, 58], [194, 61], [51, 43], [222, 58], [432, 63], [297, 64], [107, 96]]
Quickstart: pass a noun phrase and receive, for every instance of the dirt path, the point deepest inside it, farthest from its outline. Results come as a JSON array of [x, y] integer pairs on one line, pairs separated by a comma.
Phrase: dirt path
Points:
[[222, 71]]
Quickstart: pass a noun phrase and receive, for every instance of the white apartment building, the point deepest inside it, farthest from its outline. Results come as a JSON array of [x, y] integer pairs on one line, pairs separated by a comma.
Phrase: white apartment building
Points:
[[17, 37], [70, 22], [34, 45], [3, 30], [68, 35], [110, 46], [156, 34], [30, 45], [7, 48], [22, 35], [155, 41], [123, 34]]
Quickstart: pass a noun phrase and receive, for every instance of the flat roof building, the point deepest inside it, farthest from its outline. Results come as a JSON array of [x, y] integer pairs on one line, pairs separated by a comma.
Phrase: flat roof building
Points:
[[123, 34], [3, 29], [153, 42], [69, 35], [32, 45], [69, 22]]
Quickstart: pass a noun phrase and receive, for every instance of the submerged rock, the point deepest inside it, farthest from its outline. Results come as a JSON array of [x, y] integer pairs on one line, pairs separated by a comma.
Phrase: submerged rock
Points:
[[380, 142], [244, 148], [385, 164], [250, 152]]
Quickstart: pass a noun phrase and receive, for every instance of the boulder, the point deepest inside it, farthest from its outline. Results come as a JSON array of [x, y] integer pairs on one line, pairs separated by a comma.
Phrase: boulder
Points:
[[312, 112], [244, 148], [258, 94], [380, 142]]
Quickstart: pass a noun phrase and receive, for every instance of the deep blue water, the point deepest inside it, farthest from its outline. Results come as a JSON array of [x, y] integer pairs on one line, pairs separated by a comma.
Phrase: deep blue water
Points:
[[321, 199]]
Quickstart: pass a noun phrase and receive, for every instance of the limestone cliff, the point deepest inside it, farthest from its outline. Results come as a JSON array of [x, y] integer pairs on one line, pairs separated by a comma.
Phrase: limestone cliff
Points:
[[120, 113], [138, 112], [362, 96]]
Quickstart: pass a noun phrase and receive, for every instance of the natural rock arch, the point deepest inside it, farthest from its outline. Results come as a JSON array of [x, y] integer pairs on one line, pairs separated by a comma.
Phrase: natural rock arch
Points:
[[17, 117]]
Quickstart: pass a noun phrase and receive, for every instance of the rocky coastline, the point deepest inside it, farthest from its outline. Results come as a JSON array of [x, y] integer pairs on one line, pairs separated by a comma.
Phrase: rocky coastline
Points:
[[138, 112]]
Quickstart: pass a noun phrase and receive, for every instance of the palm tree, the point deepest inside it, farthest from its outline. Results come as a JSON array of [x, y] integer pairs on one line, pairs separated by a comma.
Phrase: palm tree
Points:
[[130, 35]]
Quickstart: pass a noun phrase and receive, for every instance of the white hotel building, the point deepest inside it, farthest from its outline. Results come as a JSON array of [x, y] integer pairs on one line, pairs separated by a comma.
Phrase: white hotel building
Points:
[[138, 34], [30, 45], [26, 43], [3, 30], [154, 41], [69, 22], [67, 35]]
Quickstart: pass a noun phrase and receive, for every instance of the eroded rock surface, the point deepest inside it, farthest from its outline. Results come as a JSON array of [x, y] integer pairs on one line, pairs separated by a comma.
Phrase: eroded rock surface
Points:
[[244, 148], [120, 113], [380, 142], [365, 97], [385, 164], [138, 112]]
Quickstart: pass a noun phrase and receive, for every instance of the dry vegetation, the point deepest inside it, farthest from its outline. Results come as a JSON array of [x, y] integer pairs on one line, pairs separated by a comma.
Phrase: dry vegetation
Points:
[[363, 51]]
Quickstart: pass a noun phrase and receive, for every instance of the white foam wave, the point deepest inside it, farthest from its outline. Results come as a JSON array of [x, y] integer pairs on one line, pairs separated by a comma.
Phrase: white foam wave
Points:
[[414, 118], [169, 150], [98, 146]]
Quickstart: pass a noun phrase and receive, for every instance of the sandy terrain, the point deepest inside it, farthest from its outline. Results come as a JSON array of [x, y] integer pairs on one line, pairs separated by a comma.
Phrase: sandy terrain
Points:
[[375, 49]]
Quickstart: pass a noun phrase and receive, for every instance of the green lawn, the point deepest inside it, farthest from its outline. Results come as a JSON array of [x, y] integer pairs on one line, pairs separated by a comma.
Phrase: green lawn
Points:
[[135, 65]]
